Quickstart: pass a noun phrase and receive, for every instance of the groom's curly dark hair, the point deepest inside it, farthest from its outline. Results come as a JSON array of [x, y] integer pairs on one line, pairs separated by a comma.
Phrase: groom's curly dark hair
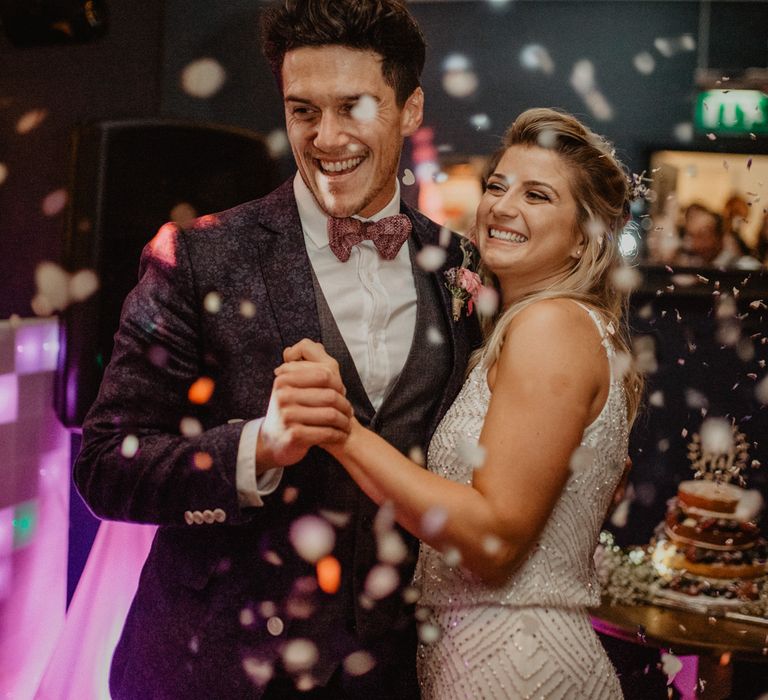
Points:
[[383, 26]]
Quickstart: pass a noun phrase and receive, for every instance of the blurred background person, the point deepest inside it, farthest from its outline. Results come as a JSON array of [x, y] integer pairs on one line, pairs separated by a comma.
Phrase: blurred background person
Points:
[[703, 242]]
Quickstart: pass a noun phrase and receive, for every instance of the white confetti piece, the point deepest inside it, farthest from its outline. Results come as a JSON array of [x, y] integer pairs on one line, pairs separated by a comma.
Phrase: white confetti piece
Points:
[[433, 521], [82, 284], [247, 617], [431, 257], [656, 399], [358, 663], [382, 580], [761, 390], [190, 427], [390, 548], [337, 518], [203, 78], [459, 80], [300, 655], [547, 138], [470, 452], [626, 278], [247, 309], [716, 436], [277, 143], [535, 57], [429, 633], [644, 63], [260, 672], [487, 301], [312, 537], [408, 178], [480, 122], [582, 458], [620, 514], [695, 399], [434, 336], [54, 202], [452, 557], [212, 302], [416, 454], [129, 446], [445, 236], [366, 108], [671, 666], [29, 121], [491, 544]]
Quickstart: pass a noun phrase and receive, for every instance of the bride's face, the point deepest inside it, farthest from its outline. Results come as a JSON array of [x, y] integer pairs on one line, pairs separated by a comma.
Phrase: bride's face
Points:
[[526, 220]]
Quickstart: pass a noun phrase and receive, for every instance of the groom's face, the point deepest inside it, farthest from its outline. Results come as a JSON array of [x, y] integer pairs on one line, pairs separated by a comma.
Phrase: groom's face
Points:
[[345, 127]]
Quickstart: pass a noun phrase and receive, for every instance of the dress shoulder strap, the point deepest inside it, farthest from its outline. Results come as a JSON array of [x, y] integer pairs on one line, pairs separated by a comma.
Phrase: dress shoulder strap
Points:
[[605, 336]]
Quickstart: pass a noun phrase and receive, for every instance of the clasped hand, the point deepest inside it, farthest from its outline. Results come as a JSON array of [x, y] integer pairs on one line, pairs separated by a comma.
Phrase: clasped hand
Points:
[[308, 406]]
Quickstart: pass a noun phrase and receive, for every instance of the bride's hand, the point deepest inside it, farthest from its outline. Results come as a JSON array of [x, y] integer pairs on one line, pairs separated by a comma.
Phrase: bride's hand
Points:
[[307, 364]]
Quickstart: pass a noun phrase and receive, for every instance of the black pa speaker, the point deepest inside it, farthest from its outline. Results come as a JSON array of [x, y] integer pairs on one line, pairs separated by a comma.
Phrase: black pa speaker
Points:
[[129, 178]]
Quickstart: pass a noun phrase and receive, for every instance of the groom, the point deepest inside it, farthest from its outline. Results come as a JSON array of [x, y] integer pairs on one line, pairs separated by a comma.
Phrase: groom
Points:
[[188, 431]]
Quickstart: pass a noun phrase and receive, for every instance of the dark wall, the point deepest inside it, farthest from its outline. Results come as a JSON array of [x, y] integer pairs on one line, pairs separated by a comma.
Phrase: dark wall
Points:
[[115, 76]]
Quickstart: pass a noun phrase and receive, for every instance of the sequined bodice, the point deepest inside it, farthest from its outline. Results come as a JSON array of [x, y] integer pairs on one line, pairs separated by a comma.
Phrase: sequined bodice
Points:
[[559, 570]]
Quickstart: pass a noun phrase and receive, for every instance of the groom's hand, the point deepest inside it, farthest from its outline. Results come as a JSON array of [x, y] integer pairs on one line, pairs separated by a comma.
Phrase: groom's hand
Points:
[[307, 407]]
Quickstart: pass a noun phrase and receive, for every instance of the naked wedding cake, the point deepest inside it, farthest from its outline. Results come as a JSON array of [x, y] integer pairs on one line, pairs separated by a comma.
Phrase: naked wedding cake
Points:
[[709, 547]]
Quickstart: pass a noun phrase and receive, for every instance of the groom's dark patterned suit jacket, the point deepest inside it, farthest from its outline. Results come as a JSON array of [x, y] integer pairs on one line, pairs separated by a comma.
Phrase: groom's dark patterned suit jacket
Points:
[[218, 572]]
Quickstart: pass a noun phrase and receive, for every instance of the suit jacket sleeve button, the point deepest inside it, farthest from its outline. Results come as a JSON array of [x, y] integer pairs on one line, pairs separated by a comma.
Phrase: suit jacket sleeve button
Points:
[[188, 517], [219, 515], [197, 516], [208, 516]]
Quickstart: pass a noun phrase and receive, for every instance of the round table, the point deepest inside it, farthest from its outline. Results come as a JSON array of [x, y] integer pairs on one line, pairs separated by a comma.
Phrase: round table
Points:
[[715, 640]]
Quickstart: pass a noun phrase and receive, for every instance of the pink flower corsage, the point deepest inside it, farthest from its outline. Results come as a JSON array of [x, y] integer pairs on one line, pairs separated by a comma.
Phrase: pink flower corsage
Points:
[[463, 284]]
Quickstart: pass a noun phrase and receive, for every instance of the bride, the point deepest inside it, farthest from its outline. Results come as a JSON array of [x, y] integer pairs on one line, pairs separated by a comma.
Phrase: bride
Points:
[[521, 470]]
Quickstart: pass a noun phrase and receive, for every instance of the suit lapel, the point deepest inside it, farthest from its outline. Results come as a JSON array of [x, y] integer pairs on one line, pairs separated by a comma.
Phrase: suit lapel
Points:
[[425, 232], [286, 268]]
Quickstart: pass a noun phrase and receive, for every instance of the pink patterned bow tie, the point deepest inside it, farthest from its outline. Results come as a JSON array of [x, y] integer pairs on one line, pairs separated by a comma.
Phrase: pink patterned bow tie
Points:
[[387, 234]]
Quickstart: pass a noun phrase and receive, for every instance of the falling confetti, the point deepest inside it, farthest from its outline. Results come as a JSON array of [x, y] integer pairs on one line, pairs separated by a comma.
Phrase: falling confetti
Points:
[[429, 633], [202, 461], [82, 284], [434, 336], [487, 301], [671, 666], [382, 580], [328, 574], [547, 138], [366, 108], [299, 655], [683, 132], [408, 178], [359, 663], [312, 537], [29, 121], [201, 390], [582, 458], [761, 391], [129, 446], [212, 302], [416, 454], [54, 202], [716, 436], [260, 672], [247, 309], [626, 278], [277, 143], [183, 214], [459, 79], [644, 63], [431, 257], [480, 122], [391, 548], [535, 57], [471, 452], [433, 521], [203, 78]]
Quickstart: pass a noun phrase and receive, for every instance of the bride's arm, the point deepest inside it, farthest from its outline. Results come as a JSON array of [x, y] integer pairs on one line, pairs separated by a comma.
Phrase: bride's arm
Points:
[[547, 380]]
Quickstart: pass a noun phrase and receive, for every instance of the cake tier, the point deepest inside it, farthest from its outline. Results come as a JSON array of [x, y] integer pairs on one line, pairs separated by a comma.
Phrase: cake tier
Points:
[[718, 533], [740, 564], [709, 495]]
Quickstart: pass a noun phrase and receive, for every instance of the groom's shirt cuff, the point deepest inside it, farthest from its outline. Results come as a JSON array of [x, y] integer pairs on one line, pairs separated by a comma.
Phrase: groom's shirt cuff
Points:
[[251, 488]]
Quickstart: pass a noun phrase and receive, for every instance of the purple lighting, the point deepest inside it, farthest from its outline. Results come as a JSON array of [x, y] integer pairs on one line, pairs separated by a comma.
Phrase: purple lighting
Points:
[[9, 398], [37, 348]]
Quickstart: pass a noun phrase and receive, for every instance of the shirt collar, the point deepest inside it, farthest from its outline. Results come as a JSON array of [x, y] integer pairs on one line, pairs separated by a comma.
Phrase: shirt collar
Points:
[[314, 221]]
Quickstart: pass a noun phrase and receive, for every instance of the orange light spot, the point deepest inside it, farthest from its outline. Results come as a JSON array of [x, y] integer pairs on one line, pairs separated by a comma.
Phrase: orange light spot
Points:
[[329, 574], [163, 245], [725, 659], [202, 461], [201, 390]]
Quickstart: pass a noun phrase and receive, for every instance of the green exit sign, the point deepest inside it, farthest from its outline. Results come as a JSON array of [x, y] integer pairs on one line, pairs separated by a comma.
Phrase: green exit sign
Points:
[[732, 112]]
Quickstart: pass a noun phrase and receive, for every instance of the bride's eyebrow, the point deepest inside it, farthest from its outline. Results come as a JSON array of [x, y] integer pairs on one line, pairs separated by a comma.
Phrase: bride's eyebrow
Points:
[[539, 183]]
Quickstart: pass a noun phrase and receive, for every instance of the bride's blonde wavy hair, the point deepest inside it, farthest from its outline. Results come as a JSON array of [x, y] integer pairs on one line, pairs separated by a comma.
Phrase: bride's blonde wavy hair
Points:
[[600, 187]]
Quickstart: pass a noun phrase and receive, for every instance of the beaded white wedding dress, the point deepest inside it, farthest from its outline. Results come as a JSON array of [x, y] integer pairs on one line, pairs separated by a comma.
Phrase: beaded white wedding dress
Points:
[[531, 637]]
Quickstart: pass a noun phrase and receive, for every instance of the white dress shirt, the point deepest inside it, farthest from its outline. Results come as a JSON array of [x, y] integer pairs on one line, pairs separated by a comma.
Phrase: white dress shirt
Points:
[[373, 302]]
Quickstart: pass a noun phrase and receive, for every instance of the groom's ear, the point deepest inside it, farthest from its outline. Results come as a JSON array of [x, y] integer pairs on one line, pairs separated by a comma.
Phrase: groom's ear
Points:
[[413, 112]]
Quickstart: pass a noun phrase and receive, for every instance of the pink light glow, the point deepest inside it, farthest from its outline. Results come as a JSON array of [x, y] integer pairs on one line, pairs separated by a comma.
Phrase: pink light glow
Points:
[[80, 664], [9, 398], [37, 348]]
